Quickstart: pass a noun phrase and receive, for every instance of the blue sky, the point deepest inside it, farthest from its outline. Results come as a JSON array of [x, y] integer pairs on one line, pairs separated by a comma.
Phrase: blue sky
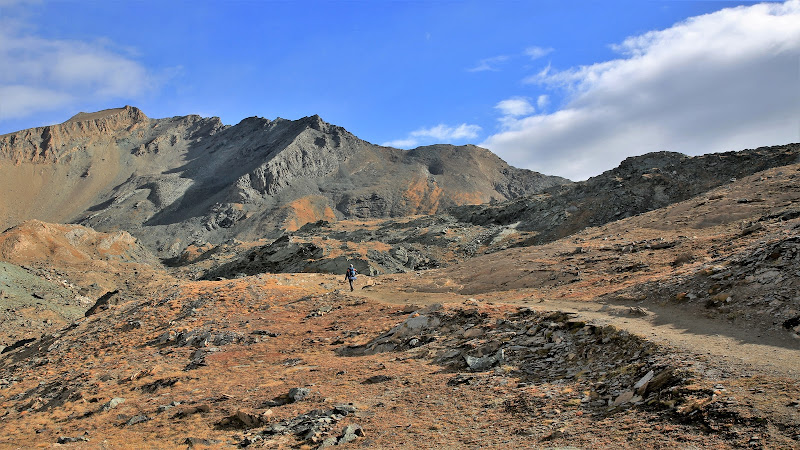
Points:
[[562, 87]]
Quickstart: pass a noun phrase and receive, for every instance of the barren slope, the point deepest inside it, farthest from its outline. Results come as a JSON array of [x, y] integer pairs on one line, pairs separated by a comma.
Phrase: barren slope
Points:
[[52, 274], [723, 265], [284, 361]]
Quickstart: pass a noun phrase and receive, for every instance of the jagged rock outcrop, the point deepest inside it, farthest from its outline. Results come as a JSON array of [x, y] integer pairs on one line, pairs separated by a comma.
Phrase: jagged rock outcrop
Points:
[[174, 182], [392, 246]]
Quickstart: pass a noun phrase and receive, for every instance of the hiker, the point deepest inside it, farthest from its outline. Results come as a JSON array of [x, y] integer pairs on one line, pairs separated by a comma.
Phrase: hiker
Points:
[[350, 275]]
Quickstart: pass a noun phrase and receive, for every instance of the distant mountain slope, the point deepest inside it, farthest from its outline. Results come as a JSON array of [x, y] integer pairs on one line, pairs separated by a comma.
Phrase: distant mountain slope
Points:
[[638, 185], [171, 182]]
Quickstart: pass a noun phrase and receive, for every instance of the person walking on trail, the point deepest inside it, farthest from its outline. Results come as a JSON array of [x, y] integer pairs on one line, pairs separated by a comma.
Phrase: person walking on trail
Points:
[[350, 276]]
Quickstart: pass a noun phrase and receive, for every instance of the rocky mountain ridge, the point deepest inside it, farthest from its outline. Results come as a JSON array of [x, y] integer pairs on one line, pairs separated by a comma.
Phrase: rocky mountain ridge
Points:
[[638, 185], [172, 182]]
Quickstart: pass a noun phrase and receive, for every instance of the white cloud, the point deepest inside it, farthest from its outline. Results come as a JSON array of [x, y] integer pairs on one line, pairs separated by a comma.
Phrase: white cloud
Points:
[[722, 81], [443, 132], [489, 64], [401, 143], [542, 102], [435, 135], [537, 52], [38, 74], [515, 106]]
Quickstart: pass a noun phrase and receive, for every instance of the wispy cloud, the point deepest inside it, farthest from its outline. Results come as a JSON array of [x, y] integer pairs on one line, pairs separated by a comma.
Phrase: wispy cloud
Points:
[[489, 64], [444, 133], [436, 135], [515, 106], [41, 74], [721, 81], [537, 52], [401, 143], [543, 101], [495, 63], [20, 100]]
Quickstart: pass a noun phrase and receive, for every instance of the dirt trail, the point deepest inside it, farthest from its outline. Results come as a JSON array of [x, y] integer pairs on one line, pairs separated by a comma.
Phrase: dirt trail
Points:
[[681, 330]]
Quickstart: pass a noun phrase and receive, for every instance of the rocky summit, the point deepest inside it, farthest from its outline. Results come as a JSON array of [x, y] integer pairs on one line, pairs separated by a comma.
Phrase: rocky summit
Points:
[[179, 283]]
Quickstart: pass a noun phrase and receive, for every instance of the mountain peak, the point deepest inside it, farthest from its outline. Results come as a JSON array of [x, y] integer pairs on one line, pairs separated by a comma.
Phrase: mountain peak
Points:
[[171, 181], [127, 110], [315, 122]]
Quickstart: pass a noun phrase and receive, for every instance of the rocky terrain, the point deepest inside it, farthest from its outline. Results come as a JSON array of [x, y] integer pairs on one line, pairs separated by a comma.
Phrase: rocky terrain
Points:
[[639, 185], [374, 247], [653, 306]]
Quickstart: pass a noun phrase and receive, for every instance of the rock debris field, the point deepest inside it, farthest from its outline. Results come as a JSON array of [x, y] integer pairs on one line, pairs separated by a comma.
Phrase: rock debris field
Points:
[[289, 361]]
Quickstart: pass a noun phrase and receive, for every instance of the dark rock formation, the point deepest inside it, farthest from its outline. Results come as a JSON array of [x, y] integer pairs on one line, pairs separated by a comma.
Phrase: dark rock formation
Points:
[[102, 303], [639, 184]]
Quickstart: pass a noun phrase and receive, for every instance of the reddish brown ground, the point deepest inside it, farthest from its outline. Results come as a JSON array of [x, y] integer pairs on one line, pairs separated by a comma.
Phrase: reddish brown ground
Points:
[[415, 408]]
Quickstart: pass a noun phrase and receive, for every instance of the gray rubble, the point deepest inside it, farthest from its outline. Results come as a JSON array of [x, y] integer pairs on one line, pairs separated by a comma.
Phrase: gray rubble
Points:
[[616, 367]]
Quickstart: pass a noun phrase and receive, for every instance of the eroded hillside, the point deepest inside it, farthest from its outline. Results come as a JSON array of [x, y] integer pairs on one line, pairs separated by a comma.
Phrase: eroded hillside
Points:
[[52, 274]]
